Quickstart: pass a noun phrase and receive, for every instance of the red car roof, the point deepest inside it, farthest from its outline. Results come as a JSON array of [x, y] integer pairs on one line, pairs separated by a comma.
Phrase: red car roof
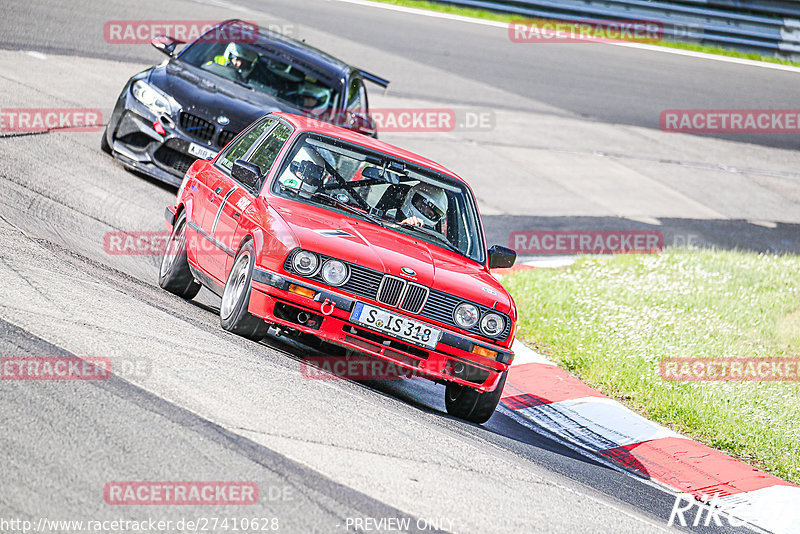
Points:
[[307, 124]]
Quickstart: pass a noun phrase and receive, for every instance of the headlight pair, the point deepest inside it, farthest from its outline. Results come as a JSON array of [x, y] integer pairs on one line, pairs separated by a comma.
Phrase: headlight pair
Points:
[[467, 315], [334, 272]]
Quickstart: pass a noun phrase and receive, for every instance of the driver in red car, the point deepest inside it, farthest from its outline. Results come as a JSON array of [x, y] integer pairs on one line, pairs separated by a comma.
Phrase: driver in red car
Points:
[[424, 205]]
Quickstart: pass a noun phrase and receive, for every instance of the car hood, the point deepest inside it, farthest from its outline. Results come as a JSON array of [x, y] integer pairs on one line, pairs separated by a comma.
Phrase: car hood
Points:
[[369, 245], [209, 96]]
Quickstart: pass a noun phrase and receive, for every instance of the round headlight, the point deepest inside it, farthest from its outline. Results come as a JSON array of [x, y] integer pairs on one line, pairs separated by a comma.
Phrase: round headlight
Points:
[[492, 324], [466, 315], [305, 263], [335, 272]]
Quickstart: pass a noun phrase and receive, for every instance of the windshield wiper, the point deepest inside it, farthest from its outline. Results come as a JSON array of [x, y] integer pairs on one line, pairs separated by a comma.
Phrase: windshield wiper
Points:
[[434, 234], [243, 84], [355, 210]]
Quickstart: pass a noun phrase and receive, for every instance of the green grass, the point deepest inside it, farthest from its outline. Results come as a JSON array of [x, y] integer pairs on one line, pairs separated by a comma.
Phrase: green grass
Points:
[[500, 17], [611, 322]]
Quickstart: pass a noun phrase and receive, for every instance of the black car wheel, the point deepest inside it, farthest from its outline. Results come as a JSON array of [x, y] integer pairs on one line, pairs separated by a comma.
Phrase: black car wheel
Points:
[[233, 314], [174, 274], [470, 404]]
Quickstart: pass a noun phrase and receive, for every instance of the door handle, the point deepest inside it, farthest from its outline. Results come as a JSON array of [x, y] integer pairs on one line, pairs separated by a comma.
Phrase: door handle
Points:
[[236, 215], [218, 190]]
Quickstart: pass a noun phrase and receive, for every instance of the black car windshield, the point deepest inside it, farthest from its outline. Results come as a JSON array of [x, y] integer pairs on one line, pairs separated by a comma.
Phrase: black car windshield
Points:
[[388, 191], [264, 70]]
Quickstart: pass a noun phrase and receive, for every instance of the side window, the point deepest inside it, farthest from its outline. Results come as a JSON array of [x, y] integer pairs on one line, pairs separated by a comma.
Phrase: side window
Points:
[[264, 156], [240, 147], [355, 96]]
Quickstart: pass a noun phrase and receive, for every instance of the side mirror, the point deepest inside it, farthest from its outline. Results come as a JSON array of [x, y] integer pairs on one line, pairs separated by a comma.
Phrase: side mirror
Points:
[[501, 257], [249, 174], [362, 123], [166, 45]]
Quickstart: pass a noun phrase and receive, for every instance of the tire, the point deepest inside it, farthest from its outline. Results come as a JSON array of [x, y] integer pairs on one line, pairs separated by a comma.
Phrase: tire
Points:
[[233, 314], [470, 404], [174, 274], [104, 146]]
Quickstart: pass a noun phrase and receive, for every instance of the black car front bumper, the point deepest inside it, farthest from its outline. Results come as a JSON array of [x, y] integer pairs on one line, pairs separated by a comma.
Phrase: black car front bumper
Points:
[[137, 145]]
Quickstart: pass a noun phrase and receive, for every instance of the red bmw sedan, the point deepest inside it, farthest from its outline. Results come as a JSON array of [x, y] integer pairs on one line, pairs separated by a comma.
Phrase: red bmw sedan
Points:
[[309, 230]]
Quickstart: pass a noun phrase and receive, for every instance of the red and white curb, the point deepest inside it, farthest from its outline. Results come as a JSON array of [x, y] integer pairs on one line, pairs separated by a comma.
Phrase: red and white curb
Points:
[[541, 394]]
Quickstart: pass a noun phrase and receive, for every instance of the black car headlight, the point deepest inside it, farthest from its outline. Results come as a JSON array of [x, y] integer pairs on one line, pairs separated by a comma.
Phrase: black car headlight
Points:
[[305, 263], [151, 98]]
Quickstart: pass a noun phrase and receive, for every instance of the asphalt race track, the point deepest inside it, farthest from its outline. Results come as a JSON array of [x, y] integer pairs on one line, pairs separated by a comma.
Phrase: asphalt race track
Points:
[[189, 401]]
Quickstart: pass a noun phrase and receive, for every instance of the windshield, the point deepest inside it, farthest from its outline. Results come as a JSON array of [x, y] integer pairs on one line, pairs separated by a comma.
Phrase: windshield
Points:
[[391, 192], [266, 71]]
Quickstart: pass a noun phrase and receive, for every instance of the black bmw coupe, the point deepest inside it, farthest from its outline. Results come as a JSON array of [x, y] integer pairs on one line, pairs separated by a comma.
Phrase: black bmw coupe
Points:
[[191, 105]]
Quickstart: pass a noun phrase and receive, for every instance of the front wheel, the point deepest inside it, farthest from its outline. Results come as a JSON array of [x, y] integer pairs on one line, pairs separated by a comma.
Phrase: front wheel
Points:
[[174, 274], [470, 404], [233, 314]]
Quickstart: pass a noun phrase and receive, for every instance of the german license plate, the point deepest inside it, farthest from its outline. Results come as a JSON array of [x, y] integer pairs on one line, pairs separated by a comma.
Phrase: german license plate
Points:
[[201, 151], [395, 325]]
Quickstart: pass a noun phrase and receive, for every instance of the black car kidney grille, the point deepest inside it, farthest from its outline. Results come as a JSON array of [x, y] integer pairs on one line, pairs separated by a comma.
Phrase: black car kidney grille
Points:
[[225, 137], [390, 290], [199, 128]]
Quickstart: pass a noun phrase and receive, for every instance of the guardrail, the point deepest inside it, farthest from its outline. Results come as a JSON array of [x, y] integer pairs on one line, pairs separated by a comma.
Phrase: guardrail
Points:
[[768, 27]]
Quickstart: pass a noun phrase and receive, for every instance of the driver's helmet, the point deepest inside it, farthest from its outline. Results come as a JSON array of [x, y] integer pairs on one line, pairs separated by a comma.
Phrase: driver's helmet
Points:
[[245, 55], [314, 99], [427, 202]]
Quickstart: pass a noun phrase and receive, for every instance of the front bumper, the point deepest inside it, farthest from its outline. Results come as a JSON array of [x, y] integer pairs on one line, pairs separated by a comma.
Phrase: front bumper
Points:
[[137, 145], [453, 359]]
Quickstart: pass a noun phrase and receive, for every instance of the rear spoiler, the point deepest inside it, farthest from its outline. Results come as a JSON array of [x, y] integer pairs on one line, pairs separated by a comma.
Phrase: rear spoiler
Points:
[[374, 79]]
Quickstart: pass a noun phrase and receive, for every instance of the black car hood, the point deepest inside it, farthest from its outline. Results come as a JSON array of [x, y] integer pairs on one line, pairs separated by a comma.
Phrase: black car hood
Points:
[[209, 96]]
